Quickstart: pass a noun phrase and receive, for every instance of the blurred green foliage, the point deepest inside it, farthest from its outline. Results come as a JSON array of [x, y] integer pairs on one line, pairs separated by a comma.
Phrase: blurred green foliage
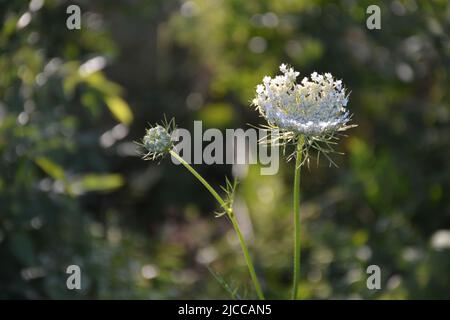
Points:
[[73, 191]]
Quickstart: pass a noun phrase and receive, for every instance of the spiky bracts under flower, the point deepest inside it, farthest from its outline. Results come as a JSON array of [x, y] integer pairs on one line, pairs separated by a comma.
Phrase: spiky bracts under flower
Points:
[[158, 141], [230, 190]]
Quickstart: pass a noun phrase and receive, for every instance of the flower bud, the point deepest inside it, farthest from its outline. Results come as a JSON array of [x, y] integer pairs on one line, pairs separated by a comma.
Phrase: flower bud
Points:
[[157, 142]]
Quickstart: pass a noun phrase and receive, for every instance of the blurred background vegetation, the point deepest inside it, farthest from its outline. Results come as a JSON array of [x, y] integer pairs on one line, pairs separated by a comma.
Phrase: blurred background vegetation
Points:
[[74, 191]]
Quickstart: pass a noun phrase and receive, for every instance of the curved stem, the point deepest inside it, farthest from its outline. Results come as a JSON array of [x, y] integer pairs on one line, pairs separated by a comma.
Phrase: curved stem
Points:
[[251, 269], [232, 218], [200, 178], [297, 244]]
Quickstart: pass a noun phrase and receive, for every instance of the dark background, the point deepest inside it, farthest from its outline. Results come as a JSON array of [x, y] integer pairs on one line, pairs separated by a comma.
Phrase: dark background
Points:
[[74, 191]]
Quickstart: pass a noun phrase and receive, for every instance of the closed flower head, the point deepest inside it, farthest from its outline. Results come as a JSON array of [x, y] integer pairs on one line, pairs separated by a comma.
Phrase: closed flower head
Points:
[[157, 141]]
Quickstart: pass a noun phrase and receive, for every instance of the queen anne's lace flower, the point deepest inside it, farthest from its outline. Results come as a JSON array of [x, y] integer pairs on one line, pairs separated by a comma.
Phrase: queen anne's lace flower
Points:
[[157, 142], [313, 108]]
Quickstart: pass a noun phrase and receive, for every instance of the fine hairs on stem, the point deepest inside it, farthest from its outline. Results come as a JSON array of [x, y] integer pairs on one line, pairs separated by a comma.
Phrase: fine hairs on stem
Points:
[[296, 198]]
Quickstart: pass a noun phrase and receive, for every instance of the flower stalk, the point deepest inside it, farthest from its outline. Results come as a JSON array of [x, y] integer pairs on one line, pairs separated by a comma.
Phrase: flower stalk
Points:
[[297, 234], [230, 214], [309, 114]]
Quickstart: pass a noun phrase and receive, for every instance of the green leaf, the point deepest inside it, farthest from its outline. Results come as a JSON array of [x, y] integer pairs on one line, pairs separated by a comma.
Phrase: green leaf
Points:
[[120, 109], [100, 83], [52, 169], [71, 79], [90, 101], [234, 294], [217, 115], [99, 182]]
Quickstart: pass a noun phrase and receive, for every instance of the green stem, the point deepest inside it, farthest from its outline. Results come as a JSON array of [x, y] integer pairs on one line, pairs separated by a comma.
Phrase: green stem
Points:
[[251, 269], [200, 178], [232, 218], [297, 244]]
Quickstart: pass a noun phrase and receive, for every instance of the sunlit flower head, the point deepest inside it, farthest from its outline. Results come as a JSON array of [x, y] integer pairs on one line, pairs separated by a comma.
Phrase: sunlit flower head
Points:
[[313, 108]]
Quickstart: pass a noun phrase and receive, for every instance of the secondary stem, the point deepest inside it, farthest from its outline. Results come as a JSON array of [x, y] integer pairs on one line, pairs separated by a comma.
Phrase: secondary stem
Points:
[[200, 178], [251, 269], [297, 244], [232, 218]]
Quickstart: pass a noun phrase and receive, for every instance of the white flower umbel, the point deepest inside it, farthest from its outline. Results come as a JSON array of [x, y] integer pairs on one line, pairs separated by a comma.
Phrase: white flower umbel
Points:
[[306, 114], [315, 107]]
